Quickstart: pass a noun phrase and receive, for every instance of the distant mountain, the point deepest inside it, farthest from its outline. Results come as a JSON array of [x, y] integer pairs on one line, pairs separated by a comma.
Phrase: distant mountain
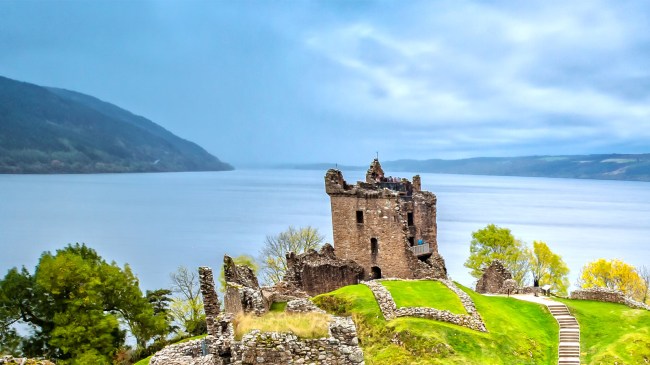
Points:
[[50, 130], [607, 166]]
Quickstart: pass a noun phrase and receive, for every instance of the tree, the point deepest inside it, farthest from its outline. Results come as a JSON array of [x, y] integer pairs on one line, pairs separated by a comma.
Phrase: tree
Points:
[[496, 243], [644, 273], [239, 260], [548, 268], [75, 302], [187, 307], [612, 274], [274, 261]]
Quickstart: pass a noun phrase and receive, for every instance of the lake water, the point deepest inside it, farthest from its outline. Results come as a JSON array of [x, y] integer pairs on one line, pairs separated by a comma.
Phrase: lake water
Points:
[[157, 222]]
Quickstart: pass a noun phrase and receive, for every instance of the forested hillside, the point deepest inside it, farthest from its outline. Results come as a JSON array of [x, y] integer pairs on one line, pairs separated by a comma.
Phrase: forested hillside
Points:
[[49, 130]]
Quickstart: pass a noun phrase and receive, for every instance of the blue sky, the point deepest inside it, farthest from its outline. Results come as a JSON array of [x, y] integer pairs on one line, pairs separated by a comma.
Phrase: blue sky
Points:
[[335, 81]]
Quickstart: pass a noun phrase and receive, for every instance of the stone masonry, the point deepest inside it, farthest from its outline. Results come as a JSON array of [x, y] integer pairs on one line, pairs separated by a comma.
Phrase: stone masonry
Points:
[[210, 299], [493, 279], [386, 224], [341, 347], [243, 293], [321, 272], [607, 295], [471, 320]]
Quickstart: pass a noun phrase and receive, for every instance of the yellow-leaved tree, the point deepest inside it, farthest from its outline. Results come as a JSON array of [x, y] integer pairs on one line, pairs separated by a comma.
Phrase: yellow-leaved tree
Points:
[[548, 268], [613, 274]]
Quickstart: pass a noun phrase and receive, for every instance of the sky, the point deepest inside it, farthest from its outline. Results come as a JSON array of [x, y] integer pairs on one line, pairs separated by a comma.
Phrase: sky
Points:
[[260, 82]]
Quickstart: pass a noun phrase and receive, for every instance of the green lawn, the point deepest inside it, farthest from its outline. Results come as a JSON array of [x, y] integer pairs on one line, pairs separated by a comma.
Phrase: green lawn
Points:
[[520, 332], [425, 293], [611, 333]]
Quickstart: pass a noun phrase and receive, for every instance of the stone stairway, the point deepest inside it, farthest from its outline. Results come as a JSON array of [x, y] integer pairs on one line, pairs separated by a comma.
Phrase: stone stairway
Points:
[[569, 349]]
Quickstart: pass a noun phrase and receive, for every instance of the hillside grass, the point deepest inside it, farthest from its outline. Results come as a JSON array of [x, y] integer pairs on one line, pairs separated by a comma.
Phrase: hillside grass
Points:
[[520, 332], [425, 293], [611, 333]]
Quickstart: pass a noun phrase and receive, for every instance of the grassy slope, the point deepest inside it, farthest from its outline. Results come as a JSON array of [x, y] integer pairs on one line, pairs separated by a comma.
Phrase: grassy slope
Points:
[[612, 333], [520, 332], [426, 293]]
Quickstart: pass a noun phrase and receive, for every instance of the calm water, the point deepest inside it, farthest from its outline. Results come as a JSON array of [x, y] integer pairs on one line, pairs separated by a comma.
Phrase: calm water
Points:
[[157, 222]]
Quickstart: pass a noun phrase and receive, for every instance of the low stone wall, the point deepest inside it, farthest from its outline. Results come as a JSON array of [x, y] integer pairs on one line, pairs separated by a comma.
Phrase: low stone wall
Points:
[[341, 347], [384, 299], [471, 320], [607, 295], [10, 360], [302, 306]]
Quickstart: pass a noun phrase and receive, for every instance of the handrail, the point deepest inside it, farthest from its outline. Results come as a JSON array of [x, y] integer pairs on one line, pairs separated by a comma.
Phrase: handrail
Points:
[[421, 249]]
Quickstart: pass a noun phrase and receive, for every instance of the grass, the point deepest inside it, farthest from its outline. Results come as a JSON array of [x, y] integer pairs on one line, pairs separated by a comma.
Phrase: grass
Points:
[[425, 293], [303, 325], [611, 333], [520, 332], [278, 307]]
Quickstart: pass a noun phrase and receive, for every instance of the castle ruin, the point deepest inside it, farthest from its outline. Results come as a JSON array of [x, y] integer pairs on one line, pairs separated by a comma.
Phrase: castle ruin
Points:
[[386, 224]]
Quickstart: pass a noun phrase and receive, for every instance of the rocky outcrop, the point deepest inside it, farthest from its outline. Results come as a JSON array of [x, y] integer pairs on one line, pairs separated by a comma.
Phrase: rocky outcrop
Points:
[[321, 272], [493, 279], [607, 295]]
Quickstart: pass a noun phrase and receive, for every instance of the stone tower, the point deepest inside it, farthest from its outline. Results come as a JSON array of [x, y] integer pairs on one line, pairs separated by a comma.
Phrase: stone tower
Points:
[[386, 224]]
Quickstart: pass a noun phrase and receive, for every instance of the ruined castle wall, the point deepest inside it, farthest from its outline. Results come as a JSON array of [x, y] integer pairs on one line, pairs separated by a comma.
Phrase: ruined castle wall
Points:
[[384, 220], [424, 212]]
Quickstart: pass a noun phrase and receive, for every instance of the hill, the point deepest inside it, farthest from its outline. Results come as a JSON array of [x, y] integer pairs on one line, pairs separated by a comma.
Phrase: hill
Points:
[[635, 167], [519, 332], [50, 130]]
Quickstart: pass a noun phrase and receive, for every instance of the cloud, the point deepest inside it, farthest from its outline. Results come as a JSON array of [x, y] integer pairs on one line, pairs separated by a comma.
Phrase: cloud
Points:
[[268, 81]]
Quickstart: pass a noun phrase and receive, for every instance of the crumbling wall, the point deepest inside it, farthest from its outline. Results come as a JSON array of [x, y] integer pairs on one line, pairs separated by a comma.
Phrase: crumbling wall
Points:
[[321, 272], [210, 299], [243, 293], [493, 279], [607, 295], [341, 347]]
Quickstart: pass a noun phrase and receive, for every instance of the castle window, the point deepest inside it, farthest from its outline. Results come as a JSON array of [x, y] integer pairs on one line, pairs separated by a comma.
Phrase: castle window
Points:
[[409, 218], [374, 248], [411, 241], [360, 216]]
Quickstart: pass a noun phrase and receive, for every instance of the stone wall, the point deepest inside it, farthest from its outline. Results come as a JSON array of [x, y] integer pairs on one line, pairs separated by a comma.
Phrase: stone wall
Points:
[[258, 348], [395, 215], [321, 272], [607, 295], [493, 279], [211, 303], [243, 293], [10, 360], [471, 320]]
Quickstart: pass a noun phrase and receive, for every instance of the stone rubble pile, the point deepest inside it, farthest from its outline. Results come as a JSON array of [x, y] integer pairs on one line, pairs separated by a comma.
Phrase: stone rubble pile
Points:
[[302, 306]]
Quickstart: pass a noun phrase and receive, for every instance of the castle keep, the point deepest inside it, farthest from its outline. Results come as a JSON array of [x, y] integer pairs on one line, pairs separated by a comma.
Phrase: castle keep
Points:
[[386, 224]]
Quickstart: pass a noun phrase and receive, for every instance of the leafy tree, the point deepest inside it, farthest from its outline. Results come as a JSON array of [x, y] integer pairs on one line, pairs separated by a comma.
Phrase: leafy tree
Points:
[[274, 261], [496, 243], [548, 268], [613, 274], [644, 273], [75, 302], [187, 307], [239, 260]]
